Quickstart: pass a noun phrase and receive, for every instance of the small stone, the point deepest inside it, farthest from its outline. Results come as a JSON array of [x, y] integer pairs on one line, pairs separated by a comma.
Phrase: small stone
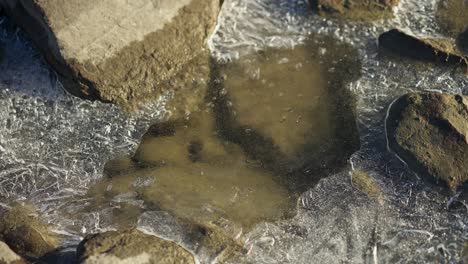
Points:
[[361, 10], [432, 50], [368, 185], [7, 256], [429, 131], [224, 173], [132, 247], [22, 229]]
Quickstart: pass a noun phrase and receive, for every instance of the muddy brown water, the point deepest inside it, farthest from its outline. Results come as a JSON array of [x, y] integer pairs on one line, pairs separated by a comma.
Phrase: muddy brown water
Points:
[[272, 124]]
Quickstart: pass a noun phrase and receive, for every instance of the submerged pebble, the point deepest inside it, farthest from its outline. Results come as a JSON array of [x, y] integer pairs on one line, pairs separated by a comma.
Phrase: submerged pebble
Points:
[[441, 50], [7, 256], [429, 131], [195, 175], [21, 228], [130, 246], [273, 124]]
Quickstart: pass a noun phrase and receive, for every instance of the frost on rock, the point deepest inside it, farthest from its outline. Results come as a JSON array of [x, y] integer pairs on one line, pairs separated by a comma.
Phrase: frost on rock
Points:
[[54, 146]]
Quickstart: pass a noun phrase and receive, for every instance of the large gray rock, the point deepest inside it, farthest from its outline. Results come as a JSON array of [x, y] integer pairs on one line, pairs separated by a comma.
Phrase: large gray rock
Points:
[[130, 247], [7, 256], [429, 131], [118, 50]]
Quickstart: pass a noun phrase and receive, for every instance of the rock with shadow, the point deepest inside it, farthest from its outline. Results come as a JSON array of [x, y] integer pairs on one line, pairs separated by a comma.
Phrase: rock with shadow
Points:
[[24, 232], [441, 50], [429, 131]]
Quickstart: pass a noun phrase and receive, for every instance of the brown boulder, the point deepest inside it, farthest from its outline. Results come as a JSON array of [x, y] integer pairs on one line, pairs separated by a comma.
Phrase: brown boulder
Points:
[[429, 131], [119, 51]]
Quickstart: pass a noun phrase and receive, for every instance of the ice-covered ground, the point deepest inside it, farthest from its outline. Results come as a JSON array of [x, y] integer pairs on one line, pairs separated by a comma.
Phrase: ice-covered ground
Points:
[[53, 146]]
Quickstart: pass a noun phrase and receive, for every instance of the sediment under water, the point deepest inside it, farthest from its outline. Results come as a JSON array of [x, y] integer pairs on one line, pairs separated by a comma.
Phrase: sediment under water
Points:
[[272, 124]]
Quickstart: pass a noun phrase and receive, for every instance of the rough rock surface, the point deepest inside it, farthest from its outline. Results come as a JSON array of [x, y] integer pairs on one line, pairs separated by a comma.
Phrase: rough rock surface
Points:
[[130, 247], [365, 10], [7, 256], [429, 131], [22, 230], [119, 51], [367, 184], [433, 50]]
